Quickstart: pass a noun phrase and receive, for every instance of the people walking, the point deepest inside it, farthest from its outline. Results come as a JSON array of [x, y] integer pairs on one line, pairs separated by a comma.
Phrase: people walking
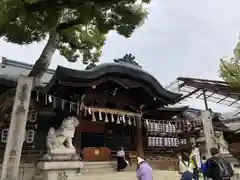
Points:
[[144, 170], [121, 162], [217, 168]]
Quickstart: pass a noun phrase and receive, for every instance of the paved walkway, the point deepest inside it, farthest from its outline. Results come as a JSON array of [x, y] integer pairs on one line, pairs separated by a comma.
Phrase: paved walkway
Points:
[[128, 175], [131, 175]]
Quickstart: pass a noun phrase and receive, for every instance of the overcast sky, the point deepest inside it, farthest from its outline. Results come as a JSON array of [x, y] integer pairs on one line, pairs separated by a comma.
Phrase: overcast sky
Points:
[[180, 38]]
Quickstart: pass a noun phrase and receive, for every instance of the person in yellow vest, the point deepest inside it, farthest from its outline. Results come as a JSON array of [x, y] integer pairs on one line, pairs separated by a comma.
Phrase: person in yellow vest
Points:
[[195, 162], [184, 170]]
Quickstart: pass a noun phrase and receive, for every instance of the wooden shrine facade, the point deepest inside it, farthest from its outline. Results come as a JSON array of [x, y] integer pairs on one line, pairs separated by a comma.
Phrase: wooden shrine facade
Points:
[[118, 97], [117, 104]]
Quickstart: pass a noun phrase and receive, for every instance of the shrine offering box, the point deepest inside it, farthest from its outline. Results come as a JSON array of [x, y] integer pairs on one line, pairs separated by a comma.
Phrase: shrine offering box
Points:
[[96, 154]]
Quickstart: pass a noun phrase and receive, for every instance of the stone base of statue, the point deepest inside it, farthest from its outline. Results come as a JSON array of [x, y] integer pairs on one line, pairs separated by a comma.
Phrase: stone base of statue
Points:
[[61, 154], [59, 170], [60, 164]]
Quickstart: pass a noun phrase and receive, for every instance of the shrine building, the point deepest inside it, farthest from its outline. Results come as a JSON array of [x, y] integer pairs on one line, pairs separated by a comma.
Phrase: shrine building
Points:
[[118, 105]]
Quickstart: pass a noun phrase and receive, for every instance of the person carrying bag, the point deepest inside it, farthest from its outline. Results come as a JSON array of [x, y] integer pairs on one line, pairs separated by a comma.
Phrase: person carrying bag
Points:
[[184, 169], [217, 168]]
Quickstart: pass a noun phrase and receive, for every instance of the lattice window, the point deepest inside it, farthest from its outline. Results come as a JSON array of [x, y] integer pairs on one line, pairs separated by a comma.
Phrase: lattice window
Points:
[[4, 135], [30, 134]]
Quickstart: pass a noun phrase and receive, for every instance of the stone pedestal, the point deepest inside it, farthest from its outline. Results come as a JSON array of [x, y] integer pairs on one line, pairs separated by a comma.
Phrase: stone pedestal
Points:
[[59, 170], [61, 154]]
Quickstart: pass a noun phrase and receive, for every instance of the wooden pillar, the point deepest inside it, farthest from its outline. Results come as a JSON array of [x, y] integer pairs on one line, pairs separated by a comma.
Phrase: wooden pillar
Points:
[[16, 135], [139, 136]]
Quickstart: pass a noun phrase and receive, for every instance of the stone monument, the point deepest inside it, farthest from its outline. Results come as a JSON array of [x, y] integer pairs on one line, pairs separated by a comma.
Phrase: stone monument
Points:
[[61, 162]]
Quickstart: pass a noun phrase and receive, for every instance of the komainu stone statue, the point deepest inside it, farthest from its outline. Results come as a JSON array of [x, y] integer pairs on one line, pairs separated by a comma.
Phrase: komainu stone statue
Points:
[[59, 141], [62, 161], [62, 137], [221, 143]]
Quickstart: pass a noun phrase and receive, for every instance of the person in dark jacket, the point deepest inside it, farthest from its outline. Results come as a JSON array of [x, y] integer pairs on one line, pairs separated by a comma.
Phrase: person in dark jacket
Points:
[[217, 168]]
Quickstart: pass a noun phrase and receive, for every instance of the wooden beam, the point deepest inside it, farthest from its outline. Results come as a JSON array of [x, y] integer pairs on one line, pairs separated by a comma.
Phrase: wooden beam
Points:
[[114, 99], [189, 94], [139, 137]]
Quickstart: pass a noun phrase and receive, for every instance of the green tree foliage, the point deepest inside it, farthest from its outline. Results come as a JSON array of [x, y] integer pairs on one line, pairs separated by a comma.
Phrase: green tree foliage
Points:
[[77, 28], [230, 68]]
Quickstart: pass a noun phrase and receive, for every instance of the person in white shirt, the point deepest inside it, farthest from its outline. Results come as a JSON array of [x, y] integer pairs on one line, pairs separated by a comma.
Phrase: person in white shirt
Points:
[[121, 162]]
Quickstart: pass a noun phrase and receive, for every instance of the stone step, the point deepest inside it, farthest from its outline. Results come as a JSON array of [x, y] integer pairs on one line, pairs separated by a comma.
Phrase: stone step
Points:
[[104, 166], [100, 164]]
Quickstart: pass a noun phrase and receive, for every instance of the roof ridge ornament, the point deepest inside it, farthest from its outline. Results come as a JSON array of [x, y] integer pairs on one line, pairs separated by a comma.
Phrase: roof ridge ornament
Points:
[[128, 59]]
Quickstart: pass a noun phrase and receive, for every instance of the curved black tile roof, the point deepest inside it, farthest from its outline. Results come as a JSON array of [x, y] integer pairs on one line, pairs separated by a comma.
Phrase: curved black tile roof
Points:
[[106, 69]]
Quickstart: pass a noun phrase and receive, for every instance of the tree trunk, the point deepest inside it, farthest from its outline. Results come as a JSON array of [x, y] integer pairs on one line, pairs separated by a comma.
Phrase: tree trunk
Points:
[[41, 65], [44, 61]]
